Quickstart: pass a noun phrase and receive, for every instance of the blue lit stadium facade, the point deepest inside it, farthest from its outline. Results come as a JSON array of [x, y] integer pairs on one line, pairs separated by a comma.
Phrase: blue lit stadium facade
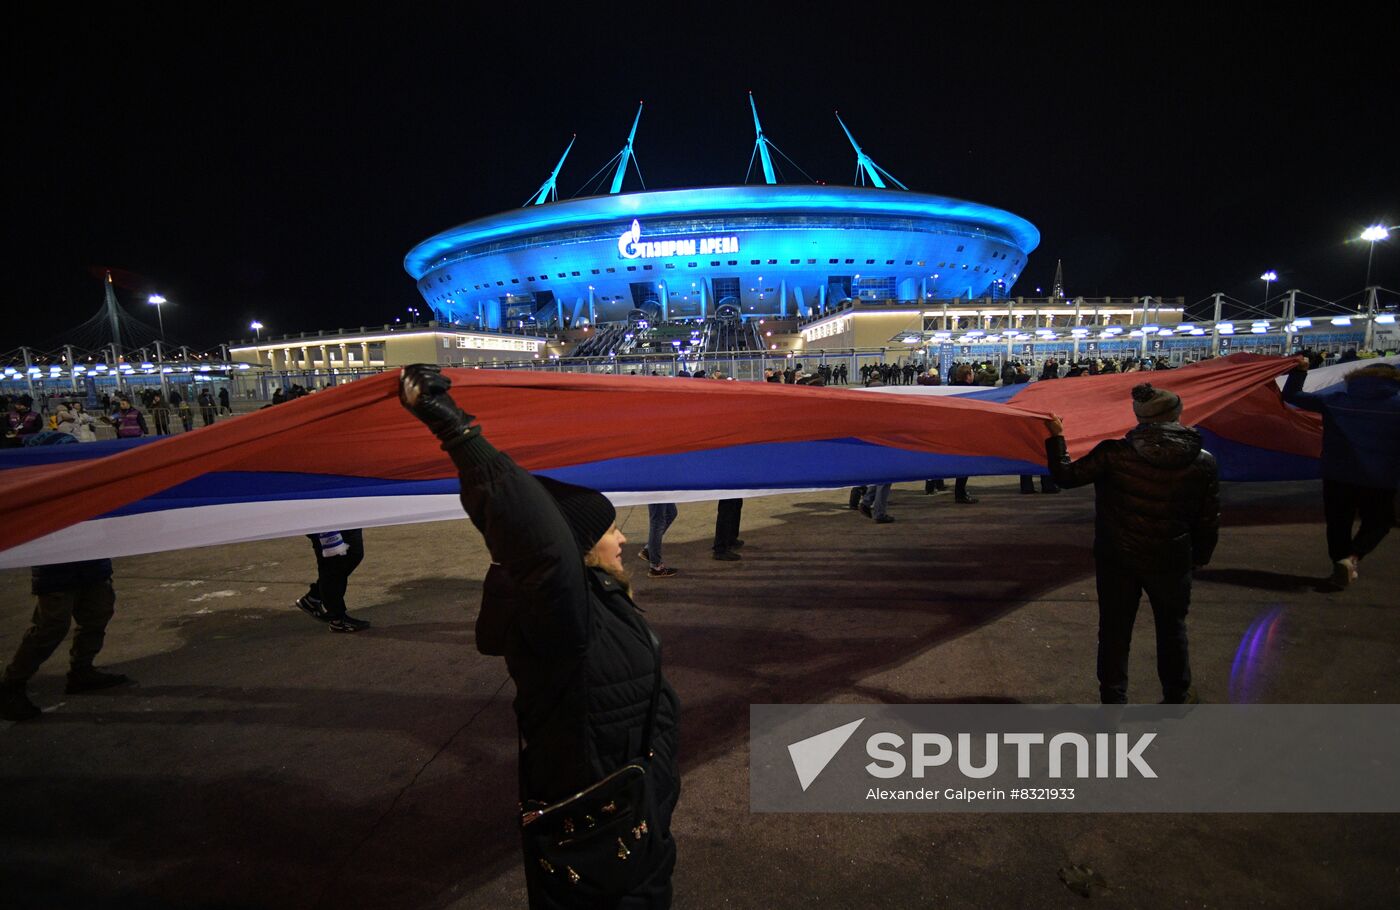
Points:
[[765, 250]]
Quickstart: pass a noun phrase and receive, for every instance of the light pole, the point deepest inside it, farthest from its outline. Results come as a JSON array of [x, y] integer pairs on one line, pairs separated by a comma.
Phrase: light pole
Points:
[[257, 328], [1268, 278], [158, 300], [1371, 235]]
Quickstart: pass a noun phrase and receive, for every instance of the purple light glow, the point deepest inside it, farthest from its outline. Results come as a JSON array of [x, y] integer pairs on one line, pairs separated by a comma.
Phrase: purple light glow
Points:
[[1253, 655]]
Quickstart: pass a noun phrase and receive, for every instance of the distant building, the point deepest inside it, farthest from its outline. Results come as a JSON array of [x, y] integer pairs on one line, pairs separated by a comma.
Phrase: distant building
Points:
[[390, 346]]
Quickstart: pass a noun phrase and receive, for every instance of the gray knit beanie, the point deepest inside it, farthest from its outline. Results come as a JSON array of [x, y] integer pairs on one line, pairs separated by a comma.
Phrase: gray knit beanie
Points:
[[1155, 405]]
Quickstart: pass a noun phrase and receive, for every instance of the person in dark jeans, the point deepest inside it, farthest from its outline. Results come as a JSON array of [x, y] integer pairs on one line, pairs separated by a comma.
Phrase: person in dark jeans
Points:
[[962, 375], [659, 518], [338, 553], [160, 414], [1157, 517], [206, 406], [1360, 459], [727, 540], [1047, 484], [72, 592]]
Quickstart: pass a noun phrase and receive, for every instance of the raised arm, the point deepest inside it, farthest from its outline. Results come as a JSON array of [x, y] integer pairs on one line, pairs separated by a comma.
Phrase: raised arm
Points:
[[1070, 473], [523, 527], [1293, 389]]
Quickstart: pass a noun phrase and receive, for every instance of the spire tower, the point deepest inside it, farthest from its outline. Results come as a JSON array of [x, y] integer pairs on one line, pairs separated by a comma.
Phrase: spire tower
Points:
[[761, 145], [865, 166], [548, 191], [625, 155], [113, 315]]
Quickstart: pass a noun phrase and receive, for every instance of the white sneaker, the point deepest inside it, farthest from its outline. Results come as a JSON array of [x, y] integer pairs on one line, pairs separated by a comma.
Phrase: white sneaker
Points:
[[1344, 572]]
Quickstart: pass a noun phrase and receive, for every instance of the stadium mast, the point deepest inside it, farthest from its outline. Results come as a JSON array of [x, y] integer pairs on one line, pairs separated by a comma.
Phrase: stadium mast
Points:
[[865, 167], [626, 155], [548, 191], [761, 145]]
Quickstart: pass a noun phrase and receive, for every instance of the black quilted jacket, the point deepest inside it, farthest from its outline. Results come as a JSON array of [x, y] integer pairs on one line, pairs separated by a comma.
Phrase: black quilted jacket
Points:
[[1157, 493], [575, 644]]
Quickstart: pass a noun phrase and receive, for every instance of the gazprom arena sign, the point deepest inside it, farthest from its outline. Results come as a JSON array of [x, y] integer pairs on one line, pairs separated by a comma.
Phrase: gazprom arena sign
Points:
[[631, 245]]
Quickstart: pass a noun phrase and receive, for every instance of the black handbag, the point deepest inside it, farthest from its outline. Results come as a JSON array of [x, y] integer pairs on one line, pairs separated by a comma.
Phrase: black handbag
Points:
[[599, 842]]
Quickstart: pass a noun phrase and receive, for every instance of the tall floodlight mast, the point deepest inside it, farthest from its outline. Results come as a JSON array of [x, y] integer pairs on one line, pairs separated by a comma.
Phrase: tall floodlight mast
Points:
[[548, 191], [761, 145], [626, 155], [865, 167]]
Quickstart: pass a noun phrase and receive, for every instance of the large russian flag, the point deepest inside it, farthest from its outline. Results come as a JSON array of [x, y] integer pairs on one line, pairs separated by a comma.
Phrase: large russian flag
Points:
[[352, 457], [1250, 431]]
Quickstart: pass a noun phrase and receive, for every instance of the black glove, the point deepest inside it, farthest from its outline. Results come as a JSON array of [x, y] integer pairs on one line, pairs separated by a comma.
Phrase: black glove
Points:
[[423, 391]]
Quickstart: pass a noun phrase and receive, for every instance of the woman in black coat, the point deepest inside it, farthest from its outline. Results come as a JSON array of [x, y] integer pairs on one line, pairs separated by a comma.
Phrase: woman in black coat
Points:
[[556, 603]]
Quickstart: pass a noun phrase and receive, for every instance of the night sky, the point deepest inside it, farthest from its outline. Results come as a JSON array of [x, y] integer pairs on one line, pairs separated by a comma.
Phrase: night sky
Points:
[[280, 168]]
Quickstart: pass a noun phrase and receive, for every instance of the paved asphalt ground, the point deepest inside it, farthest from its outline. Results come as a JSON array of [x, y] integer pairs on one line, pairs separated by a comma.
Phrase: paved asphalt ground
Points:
[[264, 762]]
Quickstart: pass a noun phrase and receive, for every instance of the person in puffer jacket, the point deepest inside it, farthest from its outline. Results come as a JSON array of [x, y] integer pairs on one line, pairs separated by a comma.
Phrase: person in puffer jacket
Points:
[[1157, 517], [557, 604], [1360, 459]]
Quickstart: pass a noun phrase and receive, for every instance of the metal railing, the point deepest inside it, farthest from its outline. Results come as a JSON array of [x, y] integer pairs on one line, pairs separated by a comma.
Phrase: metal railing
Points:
[[259, 383]]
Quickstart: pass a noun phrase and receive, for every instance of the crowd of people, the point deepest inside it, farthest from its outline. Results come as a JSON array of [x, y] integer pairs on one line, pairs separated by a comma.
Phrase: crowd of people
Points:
[[68, 419], [1012, 370]]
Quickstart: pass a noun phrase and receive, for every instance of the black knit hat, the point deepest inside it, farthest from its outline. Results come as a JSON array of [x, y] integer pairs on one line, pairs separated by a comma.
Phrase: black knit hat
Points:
[[1155, 405], [589, 513]]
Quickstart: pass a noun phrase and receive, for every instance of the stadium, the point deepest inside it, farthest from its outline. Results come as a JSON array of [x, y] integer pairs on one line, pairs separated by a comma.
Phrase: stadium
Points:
[[737, 278], [726, 253]]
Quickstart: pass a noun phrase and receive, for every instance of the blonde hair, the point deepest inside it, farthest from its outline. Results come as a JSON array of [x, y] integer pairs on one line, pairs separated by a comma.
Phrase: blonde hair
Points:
[[619, 575]]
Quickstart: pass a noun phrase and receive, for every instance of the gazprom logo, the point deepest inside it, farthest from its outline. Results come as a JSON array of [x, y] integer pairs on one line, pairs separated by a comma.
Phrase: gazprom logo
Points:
[[627, 243], [631, 245]]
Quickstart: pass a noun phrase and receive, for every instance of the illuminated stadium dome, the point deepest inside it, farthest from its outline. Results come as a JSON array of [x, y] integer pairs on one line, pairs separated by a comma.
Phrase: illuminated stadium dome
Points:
[[762, 250]]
